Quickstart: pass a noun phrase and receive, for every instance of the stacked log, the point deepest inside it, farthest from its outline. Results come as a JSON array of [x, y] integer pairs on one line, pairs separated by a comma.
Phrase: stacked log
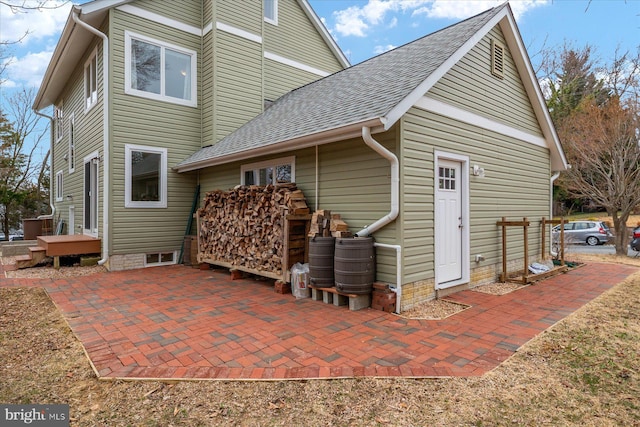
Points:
[[244, 226], [326, 224]]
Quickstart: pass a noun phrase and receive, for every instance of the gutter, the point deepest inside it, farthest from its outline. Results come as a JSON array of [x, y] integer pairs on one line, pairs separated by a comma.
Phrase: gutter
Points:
[[105, 132], [393, 213], [51, 181]]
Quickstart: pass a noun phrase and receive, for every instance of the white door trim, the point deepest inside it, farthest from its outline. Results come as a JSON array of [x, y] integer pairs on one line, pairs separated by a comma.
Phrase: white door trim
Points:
[[94, 198], [465, 246]]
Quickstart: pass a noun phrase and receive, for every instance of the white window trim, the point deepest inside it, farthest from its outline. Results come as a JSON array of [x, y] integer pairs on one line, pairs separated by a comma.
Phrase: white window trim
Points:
[[291, 160], [58, 115], [71, 153], [193, 102], [273, 21], [59, 186], [93, 157], [91, 99], [128, 203], [159, 263]]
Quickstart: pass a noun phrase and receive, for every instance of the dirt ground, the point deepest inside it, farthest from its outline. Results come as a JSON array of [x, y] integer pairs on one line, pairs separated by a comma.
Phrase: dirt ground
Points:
[[584, 371]]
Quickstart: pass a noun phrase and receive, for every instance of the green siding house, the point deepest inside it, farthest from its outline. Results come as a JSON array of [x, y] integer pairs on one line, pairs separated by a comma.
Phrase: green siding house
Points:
[[424, 147], [137, 86]]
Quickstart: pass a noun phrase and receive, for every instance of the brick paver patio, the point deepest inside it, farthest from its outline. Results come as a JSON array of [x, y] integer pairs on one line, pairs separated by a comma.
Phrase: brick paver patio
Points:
[[177, 322]]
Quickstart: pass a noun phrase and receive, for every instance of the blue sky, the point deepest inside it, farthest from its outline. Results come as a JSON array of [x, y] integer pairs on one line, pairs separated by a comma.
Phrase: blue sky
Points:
[[365, 28]]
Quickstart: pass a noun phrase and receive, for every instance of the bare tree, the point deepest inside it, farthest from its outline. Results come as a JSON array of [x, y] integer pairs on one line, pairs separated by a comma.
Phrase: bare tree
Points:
[[21, 136], [602, 145]]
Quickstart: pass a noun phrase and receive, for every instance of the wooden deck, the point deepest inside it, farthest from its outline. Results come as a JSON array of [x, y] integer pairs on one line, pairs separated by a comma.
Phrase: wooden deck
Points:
[[75, 244]]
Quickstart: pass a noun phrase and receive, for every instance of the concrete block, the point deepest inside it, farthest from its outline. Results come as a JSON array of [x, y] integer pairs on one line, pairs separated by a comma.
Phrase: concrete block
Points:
[[327, 297], [339, 300], [87, 261], [360, 302], [316, 295]]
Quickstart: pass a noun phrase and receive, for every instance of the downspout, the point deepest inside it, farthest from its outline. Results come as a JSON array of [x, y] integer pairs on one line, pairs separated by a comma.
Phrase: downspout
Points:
[[395, 184], [551, 181], [51, 143], [105, 133], [393, 213]]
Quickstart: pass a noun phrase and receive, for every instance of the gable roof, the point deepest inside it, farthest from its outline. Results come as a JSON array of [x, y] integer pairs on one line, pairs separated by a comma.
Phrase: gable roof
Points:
[[374, 93], [74, 42]]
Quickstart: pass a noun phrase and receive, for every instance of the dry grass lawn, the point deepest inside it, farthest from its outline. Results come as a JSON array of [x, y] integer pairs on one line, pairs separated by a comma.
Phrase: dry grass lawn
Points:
[[585, 371]]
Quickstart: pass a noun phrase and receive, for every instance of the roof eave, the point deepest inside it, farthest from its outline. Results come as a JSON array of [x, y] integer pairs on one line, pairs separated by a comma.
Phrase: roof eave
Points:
[[70, 45], [352, 130]]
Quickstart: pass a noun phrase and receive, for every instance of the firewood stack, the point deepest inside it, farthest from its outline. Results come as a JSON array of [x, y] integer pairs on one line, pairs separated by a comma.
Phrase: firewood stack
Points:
[[326, 224], [244, 226]]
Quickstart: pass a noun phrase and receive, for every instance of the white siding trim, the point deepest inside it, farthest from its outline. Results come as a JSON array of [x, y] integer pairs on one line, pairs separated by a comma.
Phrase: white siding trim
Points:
[[448, 110], [207, 28], [238, 32], [295, 64], [400, 109], [154, 17]]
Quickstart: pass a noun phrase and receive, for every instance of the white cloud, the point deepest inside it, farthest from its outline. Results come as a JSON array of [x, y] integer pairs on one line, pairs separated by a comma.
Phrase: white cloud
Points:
[[462, 9], [29, 58], [37, 24], [355, 20], [359, 20], [27, 70], [382, 49]]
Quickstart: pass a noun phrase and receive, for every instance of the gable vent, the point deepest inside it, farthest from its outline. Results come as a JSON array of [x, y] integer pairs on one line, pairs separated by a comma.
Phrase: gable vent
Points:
[[497, 59]]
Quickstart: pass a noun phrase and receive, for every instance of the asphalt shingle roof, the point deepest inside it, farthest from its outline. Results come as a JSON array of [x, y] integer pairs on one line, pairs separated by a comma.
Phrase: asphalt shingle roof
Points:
[[365, 91]]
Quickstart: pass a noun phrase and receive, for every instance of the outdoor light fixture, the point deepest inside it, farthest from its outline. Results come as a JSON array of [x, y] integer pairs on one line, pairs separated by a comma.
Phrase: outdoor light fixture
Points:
[[478, 171]]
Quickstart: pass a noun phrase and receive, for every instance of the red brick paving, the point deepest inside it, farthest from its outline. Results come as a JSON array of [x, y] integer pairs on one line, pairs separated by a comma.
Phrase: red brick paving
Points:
[[178, 322]]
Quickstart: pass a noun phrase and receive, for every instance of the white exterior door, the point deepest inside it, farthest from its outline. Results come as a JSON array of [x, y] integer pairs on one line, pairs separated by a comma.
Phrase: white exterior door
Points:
[[449, 223]]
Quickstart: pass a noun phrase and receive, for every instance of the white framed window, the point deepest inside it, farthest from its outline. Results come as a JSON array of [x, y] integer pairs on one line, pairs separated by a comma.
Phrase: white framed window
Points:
[[160, 258], [276, 171], [59, 186], [58, 117], [91, 81], [71, 154], [271, 11], [159, 70], [145, 172]]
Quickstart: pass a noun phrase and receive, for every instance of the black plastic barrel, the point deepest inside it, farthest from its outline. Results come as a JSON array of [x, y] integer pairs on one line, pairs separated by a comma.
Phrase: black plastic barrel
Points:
[[321, 254], [355, 265]]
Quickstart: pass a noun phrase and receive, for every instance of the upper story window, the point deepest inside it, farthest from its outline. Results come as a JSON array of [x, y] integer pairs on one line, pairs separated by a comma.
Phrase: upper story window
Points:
[[71, 155], [145, 172], [158, 70], [276, 171], [271, 11], [91, 81], [57, 121]]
